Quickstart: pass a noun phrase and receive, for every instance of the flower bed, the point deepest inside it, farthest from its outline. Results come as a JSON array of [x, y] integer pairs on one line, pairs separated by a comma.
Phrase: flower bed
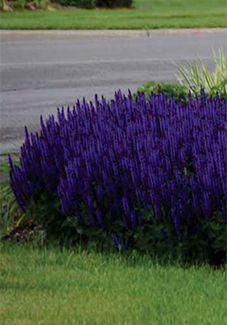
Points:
[[141, 172]]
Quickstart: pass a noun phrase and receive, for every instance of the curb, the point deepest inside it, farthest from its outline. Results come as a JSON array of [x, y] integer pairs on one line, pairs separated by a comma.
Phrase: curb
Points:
[[21, 35]]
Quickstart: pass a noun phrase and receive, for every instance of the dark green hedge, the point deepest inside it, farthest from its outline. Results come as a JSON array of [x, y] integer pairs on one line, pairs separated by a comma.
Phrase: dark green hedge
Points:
[[89, 4], [114, 3]]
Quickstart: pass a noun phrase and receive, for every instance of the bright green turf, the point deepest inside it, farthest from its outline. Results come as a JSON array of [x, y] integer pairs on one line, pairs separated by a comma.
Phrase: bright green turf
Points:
[[148, 14], [46, 286]]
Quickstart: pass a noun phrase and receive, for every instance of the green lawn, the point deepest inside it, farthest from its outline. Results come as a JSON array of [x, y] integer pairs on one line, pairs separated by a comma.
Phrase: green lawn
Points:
[[148, 14], [46, 286]]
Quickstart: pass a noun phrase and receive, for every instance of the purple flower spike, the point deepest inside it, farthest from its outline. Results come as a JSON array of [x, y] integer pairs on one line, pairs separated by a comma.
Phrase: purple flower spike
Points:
[[115, 240]]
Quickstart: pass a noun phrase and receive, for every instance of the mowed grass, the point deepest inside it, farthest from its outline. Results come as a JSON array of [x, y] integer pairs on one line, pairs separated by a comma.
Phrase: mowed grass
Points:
[[49, 286], [146, 14]]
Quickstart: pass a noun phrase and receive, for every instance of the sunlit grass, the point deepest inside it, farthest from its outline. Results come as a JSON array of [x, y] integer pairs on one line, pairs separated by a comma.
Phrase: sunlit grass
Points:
[[146, 14], [49, 286]]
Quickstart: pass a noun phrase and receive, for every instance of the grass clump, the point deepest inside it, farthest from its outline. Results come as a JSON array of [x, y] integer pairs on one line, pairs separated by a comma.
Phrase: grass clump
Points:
[[9, 210], [196, 75]]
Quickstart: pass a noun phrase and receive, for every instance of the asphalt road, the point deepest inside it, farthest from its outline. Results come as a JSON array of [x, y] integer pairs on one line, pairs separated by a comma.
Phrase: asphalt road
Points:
[[42, 71]]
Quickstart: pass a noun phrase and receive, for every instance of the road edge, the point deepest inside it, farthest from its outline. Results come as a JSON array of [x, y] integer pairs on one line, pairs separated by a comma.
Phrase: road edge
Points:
[[17, 35]]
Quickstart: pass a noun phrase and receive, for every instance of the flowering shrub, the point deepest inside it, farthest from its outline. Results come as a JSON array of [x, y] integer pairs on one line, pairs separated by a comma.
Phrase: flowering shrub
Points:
[[143, 173]]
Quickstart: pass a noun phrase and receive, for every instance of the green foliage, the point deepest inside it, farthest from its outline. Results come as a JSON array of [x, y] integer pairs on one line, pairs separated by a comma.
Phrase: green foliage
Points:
[[178, 92], [207, 246], [4, 168], [10, 215], [15, 225], [195, 76], [57, 228], [28, 4], [149, 238], [87, 4], [19, 4], [2, 3], [41, 4], [8, 205], [114, 3]]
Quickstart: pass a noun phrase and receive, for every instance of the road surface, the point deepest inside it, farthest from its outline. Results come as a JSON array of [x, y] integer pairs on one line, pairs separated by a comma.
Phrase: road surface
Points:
[[43, 70]]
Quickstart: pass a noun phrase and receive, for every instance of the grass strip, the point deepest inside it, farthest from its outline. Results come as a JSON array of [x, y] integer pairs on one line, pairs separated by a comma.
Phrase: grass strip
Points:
[[146, 14]]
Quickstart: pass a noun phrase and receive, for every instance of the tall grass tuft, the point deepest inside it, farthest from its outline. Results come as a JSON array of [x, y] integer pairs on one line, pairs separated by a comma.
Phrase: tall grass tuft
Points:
[[196, 75]]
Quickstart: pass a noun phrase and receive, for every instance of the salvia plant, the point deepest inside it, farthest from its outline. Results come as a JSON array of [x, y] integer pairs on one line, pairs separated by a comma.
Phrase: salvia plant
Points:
[[142, 172]]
